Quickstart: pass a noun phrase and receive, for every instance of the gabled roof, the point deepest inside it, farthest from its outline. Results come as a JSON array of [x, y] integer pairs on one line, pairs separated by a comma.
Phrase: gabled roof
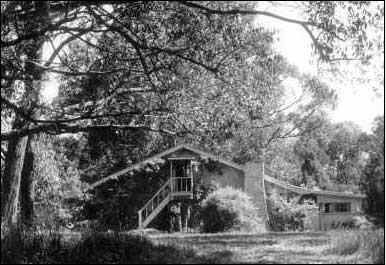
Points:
[[158, 157], [302, 191], [204, 154]]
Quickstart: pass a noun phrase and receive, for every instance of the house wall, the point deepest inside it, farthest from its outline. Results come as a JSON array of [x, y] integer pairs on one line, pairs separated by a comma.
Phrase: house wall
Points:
[[316, 220], [329, 220], [223, 177], [251, 181], [356, 203], [254, 187]]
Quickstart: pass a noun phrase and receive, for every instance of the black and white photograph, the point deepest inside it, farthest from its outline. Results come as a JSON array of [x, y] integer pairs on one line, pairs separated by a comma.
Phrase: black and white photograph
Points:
[[192, 132]]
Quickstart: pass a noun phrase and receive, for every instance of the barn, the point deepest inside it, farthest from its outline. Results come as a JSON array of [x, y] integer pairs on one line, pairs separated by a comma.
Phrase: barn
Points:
[[188, 166]]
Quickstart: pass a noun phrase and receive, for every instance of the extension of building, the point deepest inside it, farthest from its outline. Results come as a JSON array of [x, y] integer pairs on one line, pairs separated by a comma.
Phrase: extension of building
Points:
[[186, 169]]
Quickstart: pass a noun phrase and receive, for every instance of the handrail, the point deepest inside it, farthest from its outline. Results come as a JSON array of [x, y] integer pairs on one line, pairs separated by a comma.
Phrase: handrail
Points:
[[159, 197], [157, 193], [185, 182], [148, 218]]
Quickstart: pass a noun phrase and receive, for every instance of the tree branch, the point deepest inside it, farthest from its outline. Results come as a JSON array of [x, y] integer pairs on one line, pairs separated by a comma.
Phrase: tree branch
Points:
[[62, 45], [245, 12], [80, 73], [63, 128], [35, 34]]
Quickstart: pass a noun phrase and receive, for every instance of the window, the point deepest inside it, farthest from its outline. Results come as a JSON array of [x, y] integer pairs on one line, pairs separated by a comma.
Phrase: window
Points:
[[328, 208], [342, 207], [335, 207]]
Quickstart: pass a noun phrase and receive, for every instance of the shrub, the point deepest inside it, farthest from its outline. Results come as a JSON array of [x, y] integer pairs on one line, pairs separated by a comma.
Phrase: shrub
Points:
[[228, 209], [286, 215], [361, 222]]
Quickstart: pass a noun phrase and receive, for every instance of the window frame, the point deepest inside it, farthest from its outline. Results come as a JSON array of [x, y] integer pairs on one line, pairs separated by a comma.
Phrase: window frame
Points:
[[335, 207]]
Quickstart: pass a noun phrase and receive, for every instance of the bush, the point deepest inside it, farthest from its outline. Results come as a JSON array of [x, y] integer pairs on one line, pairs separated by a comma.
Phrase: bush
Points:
[[289, 215], [228, 209], [361, 222]]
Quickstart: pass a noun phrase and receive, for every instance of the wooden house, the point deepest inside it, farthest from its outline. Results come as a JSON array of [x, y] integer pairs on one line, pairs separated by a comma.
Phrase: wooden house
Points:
[[334, 208], [186, 169]]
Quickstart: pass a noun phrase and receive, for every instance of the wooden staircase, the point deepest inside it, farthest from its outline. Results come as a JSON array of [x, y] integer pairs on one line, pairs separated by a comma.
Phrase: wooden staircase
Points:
[[174, 188]]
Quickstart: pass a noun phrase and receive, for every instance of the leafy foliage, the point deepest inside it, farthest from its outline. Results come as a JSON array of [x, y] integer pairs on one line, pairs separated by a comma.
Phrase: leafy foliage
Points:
[[116, 203], [332, 154], [57, 184], [288, 215], [373, 178], [227, 209]]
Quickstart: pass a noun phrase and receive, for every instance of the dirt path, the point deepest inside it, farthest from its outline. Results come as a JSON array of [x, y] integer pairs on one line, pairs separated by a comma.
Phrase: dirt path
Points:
[[263, 248]]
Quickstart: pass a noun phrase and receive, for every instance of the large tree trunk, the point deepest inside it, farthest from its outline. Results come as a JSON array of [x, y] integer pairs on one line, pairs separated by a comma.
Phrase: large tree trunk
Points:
[[11, 180], [14, 161], [27, 189]]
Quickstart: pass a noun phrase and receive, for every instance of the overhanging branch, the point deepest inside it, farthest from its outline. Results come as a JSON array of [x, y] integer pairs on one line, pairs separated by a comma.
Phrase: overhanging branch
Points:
[[63, 128], [245, 12]]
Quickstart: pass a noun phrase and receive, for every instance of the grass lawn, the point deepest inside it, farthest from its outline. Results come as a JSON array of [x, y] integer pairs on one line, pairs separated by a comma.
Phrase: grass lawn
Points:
[[269, 247], [360, 246]]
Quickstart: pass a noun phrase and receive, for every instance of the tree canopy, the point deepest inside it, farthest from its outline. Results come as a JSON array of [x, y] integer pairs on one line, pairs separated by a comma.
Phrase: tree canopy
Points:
[[156, 39]]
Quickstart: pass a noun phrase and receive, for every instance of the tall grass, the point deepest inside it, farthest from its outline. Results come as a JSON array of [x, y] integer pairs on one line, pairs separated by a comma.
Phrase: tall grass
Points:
[[359, 245]]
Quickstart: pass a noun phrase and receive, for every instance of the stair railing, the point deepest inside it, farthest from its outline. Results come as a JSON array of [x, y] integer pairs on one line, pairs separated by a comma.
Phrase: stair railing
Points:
[[182, 184], [155, 201]]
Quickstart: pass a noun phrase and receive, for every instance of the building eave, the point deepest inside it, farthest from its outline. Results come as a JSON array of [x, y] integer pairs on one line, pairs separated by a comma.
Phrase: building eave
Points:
[[305, 191]]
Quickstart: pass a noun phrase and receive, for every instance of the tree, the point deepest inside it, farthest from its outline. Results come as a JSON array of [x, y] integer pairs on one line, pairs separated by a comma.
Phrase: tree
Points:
[[27, 187], [373, 176], [95, 19], [232, 112], [18, 146], [327, 29], [338, 154], [311, 151], [344, 153]]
